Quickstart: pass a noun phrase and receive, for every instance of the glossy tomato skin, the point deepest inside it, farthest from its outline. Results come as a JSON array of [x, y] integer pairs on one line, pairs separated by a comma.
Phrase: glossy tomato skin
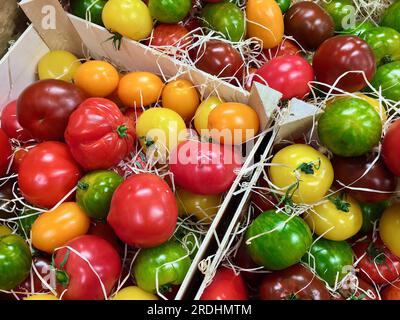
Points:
[[351, 172], [391, 148], [175, 35], [340, 11], [170, 11], [10, 124], [5, 152], [47, 174], [286, 48], [342, 54], [226, 285], [391, 292], [387, 79], [391, 17], [93, 8], [389, 228], [296, 282], [99, 135], [44, 107], [288, 74], [309, 24], [143, 211], [82, 283], [210, 177]]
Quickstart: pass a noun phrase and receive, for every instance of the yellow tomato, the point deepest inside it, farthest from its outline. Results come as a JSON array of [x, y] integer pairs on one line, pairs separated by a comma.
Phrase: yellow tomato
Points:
[[303, 171], [41, 297], [137, 89], [58, 64], [97, 78], [342, 217], [134, 293], [182, 97], [54, 228], [265, 22], [203, 207], [202, 113], [233, 123], [389, 228], [4, 230]]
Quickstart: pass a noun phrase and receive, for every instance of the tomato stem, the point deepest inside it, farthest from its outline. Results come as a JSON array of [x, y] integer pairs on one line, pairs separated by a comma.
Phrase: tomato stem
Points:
[[340, 203], [83, 185], [308, 167], [122, 131], [62, 277]]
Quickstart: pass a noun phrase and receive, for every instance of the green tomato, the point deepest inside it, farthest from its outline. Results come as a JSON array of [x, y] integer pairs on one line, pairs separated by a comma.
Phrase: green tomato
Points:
[[391, 18], [360, 28], [95, 191], [169, 262], [169, 11], [282, 243], [371, 213], [90, 10], [331, 260], [25, 223], [341, 12], [15, 261], [388, 78], [284, 5], [226, 18], [350, 127]]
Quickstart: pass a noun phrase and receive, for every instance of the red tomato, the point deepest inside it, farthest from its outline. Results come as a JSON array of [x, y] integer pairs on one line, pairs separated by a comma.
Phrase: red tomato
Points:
[[391, 292], [133, 114], [204, 168], [104, 231], [226, 285], [378, 264], [10, 124], [78, 278], [285, 48], [170, 35], [44, 107], [5, 152], [99, 135], [47, 174], [363, 291], [289, 75], [391, 148], [19, 155], [143, 211]]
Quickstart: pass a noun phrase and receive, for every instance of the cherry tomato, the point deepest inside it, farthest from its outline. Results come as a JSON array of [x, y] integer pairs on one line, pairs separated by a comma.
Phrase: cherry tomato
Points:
[[10, 124], [170, 11], [288, 74], [133, 293], [389, 228], [58, 64], [170, 35], [202, 113], [391, 292], [5, 152], [391, 148], [286, 48]]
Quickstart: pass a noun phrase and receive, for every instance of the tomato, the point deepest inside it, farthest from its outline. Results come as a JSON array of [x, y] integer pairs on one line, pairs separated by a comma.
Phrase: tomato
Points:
[[371, 214], [203, 207], [359, 290], [90, 10], [288, 74], [170, 35], [58, 64], [286, 48], [225, 17], [160, 129], [391, 17], [262, 199], [220, 59], [77, 278], [331, 260], [340, 11], [41, 297], [202, 113], [387, 79], [54, 228], [10, 124], [140, 89], [15, 261], [391, 292], [170, 11], [277, 241], [284, 5], [302, 171], [359, 28], [344, 54], [99, 135], [47, 174], [391, 148], [350, 127], [181, 96], [265, 22], [389, 227], [133, 293], [95, 191], [204, 168], [5, 153], [44, 107], [143, 211], [226, 285], [377, 264], [133, 114], [19, 155], [129, 18], [104, 231], [233, 123], [352, 172], [338, 218], [97, 78], [309, 24], [164, 266], [294, 283], [385, 42]]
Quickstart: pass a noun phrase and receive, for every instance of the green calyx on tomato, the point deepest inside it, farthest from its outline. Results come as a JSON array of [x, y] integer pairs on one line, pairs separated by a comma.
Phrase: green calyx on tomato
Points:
[[284, 5], [95, 191], [169, 11], [360, 28], [309, 167], [341, 11], [25, 222], [62, 276], [340, 202], [122, 131], [90, 10], [391, 18], [387, 77]]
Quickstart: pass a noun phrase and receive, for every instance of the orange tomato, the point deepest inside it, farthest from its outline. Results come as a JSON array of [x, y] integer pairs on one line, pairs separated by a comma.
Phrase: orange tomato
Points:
[[182, 97], [137, 89], [54, 228], [265, 22], [97, 78], [233, 123]]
